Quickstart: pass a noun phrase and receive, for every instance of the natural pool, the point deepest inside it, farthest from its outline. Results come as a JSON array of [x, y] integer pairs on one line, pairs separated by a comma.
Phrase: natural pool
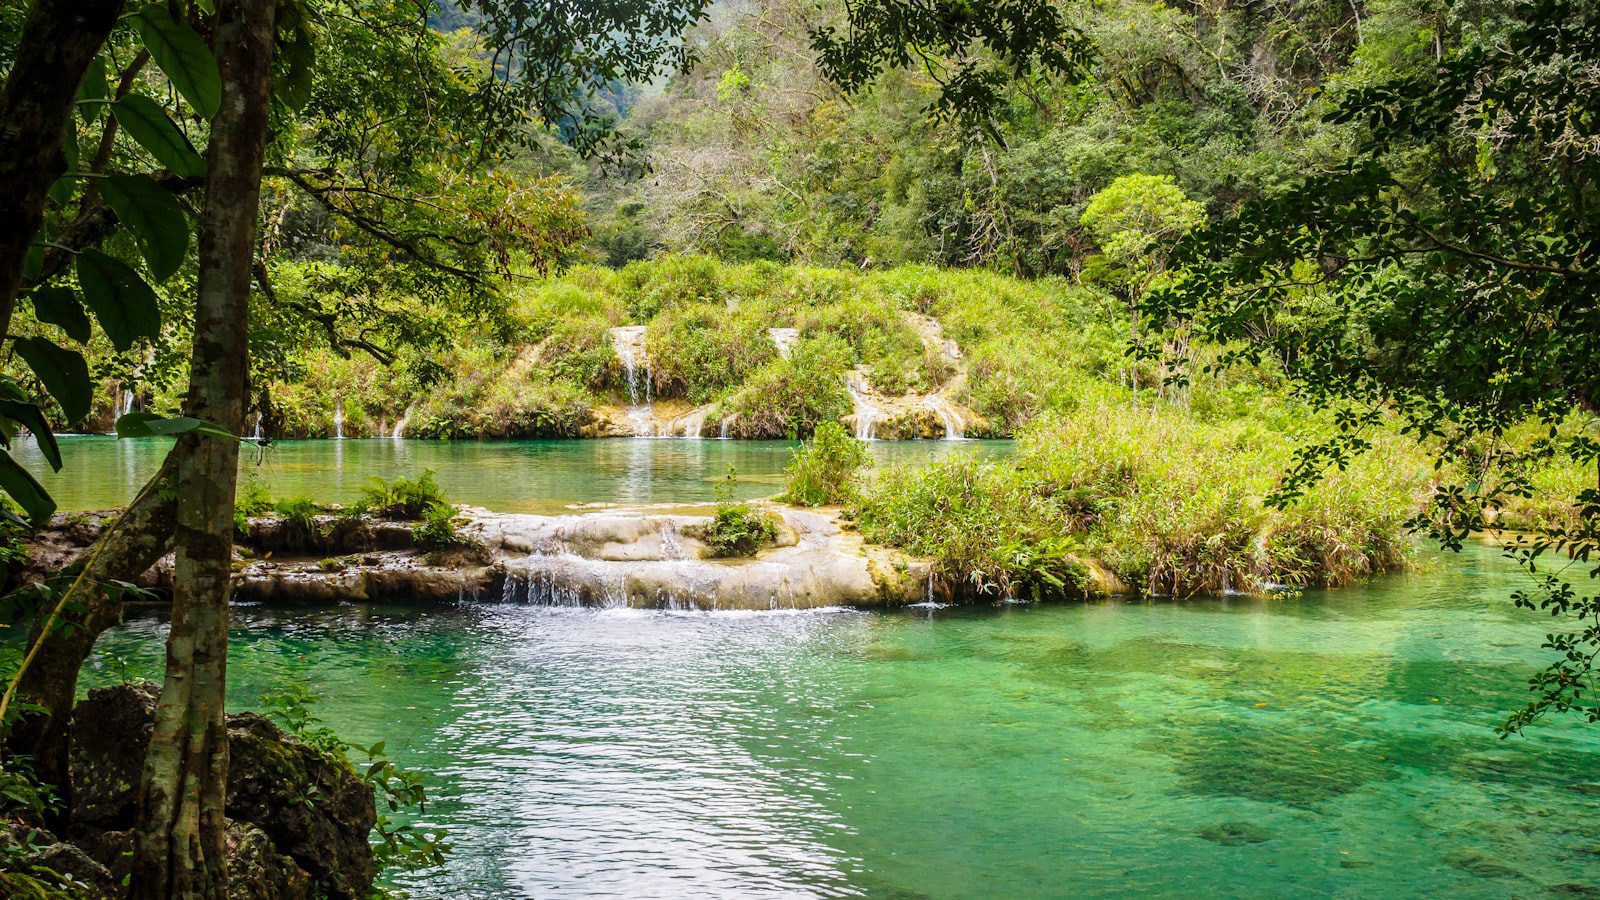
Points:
[[1336, 744], [511, 476]]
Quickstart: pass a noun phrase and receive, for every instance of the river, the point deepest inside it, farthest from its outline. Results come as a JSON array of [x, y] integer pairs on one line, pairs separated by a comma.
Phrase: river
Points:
[[1334, 744], [510, 476]]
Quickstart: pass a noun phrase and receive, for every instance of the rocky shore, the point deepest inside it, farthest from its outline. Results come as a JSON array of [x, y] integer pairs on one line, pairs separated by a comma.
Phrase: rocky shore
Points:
[[298, 818]]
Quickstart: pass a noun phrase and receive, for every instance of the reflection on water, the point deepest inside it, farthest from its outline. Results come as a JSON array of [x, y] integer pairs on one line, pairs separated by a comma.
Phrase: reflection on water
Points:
[[513, 476], [1339, 744]]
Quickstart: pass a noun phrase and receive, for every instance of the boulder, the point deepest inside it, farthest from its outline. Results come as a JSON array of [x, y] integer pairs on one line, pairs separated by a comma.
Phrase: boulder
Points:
[[309, 807]]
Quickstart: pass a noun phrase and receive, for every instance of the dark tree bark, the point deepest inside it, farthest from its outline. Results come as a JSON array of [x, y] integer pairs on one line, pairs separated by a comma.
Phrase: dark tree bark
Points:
[[59, 39], [50, 681], [179, 848]]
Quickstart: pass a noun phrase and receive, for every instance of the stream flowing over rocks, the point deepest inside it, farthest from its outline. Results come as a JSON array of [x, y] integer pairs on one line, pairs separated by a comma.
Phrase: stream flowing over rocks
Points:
[[647, 557]]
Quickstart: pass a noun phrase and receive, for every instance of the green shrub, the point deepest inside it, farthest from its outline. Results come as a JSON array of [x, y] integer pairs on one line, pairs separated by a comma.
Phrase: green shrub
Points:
[[979, 523], [699, 350], [437, 528], [791, 397], [403, 498], [300, 512], [737, 529], [823, 472], [1170, 505]]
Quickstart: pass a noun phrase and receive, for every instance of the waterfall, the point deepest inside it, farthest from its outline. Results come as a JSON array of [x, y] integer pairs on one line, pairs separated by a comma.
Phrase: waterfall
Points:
[[338, 419], [867, 414], [400, 426], [947, 414], [785, 338], [628, 343], [255, 435], [122, 405], [725, 428]]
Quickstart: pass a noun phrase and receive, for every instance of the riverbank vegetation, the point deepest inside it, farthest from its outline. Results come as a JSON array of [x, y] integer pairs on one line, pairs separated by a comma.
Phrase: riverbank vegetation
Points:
[[1234, 276]]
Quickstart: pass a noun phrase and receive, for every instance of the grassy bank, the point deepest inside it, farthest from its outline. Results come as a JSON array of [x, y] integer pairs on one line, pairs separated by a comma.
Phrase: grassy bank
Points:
[[1166, 503], [1004, 350]]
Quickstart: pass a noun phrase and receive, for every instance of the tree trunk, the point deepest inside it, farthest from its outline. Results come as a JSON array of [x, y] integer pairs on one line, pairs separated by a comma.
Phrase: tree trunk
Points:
[[50, 682], [179, 848], [59, 39]]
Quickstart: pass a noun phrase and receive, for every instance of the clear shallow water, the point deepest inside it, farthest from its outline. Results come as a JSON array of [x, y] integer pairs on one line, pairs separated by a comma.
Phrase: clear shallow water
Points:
[[1040, 751], [514, 476]]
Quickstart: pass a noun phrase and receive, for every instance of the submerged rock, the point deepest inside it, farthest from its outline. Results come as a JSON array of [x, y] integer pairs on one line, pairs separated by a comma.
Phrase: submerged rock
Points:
[[1234, 834]]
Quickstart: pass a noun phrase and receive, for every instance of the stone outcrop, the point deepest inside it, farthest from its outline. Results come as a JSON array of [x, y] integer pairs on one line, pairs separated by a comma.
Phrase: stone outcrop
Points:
[[299, 819], [658, 558]]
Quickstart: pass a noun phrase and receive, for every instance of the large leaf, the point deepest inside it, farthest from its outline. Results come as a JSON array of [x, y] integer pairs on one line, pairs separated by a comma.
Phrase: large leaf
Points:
[[146, 122], [31, 417], [154, 216], [60, 307], [299, 56], [25, 489], [144, 424], [184, 56], [92, 94], [124, 304], [64, 374]]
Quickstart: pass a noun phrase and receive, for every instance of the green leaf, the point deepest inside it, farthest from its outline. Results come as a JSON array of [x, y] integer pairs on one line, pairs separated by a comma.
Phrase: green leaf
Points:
[[60, 307], [146, 122], [154, 216], [63, 372], [184, 56], [144, 424], [31, 417], [25, 489], [124, 304], [92, 95], [299, 57]]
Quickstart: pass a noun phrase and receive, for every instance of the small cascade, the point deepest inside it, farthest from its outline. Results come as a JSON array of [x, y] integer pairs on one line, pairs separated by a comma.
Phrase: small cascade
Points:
[[400, 426], [947, 414], [255, 434], [724, 434], [785, 338], [338, 419], [867, 414], [628, 343], [564, 579]]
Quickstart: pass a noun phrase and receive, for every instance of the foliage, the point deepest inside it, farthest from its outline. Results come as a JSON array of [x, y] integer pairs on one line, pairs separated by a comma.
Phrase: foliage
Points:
[[1455, 244], [824, 470], [252, 500], [395, 846], [1168, 505], [436, 529], [791, 397], [737, 529], [403, 498], [984, 530]]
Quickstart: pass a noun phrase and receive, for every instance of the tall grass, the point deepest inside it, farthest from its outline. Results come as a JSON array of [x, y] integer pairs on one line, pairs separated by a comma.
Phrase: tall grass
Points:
[[1168, 504]]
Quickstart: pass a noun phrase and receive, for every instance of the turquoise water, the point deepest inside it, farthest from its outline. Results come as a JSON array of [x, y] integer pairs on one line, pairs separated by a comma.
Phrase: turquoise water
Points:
[[511, 476], [1338, 744]]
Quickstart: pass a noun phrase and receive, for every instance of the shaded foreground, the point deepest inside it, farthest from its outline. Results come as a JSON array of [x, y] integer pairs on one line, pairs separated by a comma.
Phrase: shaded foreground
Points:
[[1339, 743]]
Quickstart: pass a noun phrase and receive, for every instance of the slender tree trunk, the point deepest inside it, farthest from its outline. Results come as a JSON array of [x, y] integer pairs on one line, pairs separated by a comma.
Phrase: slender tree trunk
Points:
[[179, 848], [49, 683], [59, 39]]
